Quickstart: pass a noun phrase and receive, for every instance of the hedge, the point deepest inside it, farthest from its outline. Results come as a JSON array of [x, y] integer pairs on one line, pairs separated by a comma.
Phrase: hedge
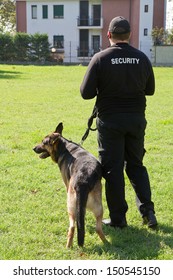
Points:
[[24, 47]]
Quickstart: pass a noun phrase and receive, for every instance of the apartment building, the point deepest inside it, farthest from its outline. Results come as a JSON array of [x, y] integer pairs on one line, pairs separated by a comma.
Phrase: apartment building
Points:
[[77, 28]]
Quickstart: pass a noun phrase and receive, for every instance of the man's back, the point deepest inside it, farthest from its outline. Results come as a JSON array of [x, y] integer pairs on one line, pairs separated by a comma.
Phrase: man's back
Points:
[[122, 76]]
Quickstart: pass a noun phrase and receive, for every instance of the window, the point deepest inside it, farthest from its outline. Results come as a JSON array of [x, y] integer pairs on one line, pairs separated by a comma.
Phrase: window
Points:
[[84, 43], [58, 11], [96, 43], [58, 41], [146, 8], [45, 11], [96, 15], [34, 11], [84, 13], [145, 31]]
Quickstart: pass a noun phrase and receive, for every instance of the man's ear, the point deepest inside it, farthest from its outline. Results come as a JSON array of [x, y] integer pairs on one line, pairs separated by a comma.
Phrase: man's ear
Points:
[[59, 128], [109, 34]]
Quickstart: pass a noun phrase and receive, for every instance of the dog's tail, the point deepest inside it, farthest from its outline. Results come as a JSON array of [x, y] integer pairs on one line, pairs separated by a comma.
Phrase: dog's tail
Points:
[[81, 201]]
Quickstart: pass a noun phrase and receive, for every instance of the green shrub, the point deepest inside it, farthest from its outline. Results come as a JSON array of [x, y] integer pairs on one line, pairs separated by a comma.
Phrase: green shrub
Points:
[[22, 46], [6, 47], [39, 49]]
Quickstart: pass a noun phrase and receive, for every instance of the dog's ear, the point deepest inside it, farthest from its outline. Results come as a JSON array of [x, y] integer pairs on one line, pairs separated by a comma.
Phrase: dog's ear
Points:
[[55, 138], [59, 128]]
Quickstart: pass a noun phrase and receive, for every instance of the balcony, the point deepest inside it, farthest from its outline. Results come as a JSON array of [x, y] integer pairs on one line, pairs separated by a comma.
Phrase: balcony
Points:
[[86, 52], [89, 23]]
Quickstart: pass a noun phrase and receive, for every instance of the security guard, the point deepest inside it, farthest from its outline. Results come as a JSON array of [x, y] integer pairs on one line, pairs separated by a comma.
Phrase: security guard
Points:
[[120, 77]]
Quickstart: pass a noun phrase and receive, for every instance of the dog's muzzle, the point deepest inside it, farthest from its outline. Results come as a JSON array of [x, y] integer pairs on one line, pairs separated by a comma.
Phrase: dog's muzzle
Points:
[[39, 150]]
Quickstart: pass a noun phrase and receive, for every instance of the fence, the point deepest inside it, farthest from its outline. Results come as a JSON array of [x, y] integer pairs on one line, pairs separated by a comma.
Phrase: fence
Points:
[[162, 55]]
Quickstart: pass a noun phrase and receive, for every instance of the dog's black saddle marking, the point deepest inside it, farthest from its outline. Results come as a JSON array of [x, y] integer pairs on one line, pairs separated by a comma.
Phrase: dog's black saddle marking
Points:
[[71, 157]]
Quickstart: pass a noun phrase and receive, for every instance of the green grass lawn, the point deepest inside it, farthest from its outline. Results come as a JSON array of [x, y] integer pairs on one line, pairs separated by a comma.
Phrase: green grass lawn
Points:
[[33, 215]]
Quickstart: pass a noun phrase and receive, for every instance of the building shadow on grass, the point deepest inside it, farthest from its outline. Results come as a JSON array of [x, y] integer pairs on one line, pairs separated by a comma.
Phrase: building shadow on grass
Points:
[[9, 74], [134, 243]]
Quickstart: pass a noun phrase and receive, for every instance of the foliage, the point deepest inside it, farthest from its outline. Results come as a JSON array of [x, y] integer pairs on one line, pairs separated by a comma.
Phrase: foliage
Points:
[[39, 48], [170, 36], [6, 47], [24, 47], [7, 15], [21, 44], [159, 36], [33, 215]]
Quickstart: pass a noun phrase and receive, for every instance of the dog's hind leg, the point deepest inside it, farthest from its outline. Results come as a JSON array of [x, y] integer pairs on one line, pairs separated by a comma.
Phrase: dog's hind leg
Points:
[[99, 228], [95, 205], [98, 212], [71, 230], [71, 206]]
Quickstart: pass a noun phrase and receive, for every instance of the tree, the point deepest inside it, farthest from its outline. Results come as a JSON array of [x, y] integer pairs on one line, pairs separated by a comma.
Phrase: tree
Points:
[[170, 36], [160, 36], [7, 15]]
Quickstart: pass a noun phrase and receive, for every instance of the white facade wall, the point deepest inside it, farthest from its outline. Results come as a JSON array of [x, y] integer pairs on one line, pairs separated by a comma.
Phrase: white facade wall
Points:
[[169, 14], [146, 23], [66, 26]]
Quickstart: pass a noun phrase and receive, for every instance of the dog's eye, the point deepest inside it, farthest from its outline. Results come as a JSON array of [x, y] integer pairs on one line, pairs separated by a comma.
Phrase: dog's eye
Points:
[[46, 141]]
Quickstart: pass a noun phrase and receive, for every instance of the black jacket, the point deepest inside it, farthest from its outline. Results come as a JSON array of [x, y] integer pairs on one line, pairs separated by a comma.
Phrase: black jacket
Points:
[[120, 76]]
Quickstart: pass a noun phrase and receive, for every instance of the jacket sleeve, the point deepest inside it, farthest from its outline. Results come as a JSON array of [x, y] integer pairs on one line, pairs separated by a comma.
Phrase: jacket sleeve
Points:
[[150, 85], [88, 88]]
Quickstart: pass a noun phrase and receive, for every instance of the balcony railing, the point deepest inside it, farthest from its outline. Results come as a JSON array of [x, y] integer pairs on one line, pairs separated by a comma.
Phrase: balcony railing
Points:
[[86, 52], [89, 22]]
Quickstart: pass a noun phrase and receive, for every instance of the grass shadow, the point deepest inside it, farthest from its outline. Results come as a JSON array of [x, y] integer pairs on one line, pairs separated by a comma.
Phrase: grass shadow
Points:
[[9, 74], [145, 244]]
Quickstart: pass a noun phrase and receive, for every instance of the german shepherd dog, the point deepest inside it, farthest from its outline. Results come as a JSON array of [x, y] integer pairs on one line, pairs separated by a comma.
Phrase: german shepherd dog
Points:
[[81, 173]]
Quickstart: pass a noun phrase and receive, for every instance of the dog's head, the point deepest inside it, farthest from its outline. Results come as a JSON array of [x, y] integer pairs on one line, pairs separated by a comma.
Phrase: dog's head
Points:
[[46, 148]]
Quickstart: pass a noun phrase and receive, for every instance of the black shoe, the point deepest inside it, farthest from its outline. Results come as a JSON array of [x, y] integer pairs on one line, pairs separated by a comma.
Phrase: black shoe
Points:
[[121, 224], [150, 220]]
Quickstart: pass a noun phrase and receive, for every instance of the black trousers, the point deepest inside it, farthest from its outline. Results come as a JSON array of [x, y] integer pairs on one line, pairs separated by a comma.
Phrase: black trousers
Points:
[[121, 146]]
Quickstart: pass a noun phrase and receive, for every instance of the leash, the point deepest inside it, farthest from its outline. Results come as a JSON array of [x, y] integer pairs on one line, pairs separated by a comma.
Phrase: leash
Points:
[[90, 122]]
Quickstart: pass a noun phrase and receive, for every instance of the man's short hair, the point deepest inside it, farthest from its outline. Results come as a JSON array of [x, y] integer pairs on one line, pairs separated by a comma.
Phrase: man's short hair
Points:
[[121, 37]]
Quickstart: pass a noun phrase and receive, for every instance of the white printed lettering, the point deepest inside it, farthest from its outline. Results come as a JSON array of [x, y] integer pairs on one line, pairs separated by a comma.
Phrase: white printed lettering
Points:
[[125, 60]]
